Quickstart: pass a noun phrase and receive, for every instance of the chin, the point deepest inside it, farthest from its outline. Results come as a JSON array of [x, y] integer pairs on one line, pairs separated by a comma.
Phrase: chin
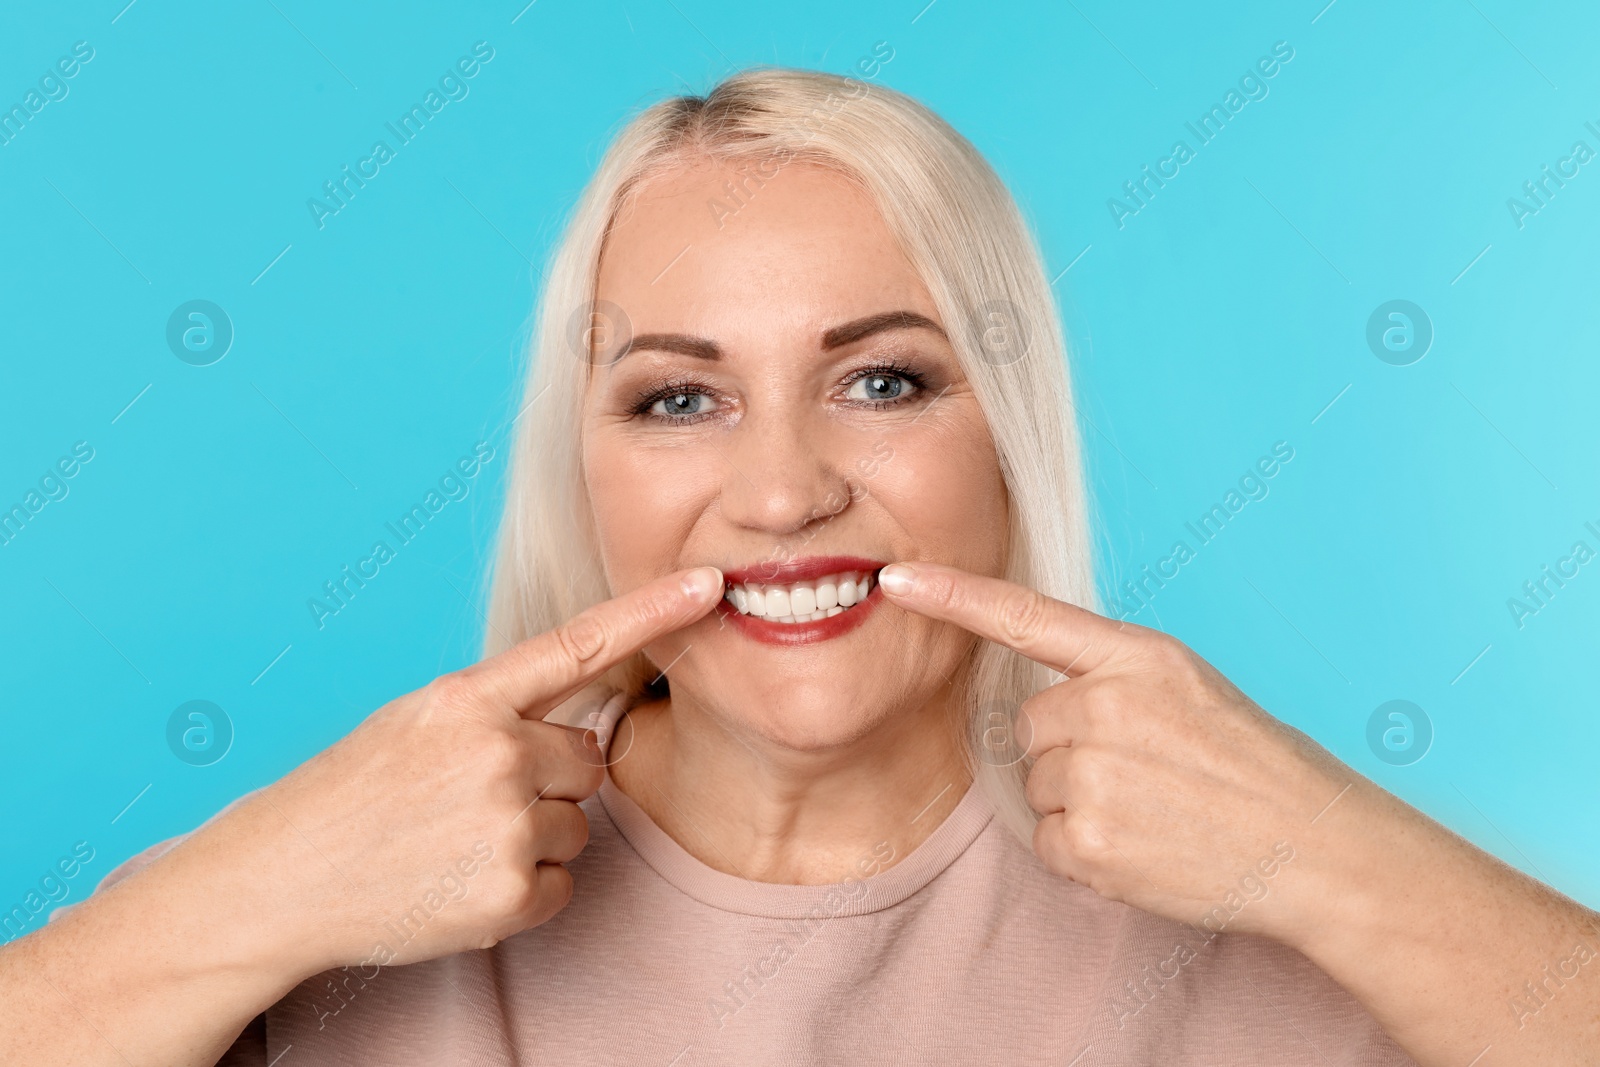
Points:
[[801, 712]]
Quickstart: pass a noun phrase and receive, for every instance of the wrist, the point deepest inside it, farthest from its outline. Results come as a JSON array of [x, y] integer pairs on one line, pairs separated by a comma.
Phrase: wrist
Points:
[[232, 903], [1366, 859]]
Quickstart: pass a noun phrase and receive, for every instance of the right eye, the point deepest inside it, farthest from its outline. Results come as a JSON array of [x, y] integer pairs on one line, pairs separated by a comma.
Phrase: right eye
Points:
[[681, 404]]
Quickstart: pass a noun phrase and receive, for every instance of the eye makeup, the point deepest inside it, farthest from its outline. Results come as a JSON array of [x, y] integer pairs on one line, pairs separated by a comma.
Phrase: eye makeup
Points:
[[675, 392]]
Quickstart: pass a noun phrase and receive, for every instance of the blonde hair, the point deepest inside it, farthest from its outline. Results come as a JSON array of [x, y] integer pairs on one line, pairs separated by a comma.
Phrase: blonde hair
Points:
[[963, 233]]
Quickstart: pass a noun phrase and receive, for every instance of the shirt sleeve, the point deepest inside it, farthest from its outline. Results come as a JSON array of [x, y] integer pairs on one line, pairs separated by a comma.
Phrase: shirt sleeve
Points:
[[1248, 1001]]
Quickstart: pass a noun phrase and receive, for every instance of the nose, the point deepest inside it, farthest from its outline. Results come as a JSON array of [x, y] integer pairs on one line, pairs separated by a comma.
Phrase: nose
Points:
[[787, 471]]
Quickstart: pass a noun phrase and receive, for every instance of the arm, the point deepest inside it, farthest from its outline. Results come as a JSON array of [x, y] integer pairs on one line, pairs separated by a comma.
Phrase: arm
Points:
[[1161, 785], [457, 789], [170, 964], [1456, 954]]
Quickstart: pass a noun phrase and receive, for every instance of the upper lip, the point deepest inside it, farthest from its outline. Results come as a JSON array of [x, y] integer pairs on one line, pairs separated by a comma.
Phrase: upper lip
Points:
[[801, 569]]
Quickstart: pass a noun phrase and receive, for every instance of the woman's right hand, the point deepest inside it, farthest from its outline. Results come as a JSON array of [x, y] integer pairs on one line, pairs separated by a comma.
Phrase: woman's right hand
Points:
[[438, 825], [445, 818]]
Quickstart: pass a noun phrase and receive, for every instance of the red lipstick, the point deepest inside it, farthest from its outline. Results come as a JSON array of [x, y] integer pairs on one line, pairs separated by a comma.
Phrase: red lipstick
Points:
[[800, 569], [782, 572], [800, 633]]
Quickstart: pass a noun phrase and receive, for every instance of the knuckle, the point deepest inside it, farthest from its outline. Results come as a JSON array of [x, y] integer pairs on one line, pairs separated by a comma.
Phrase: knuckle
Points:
[[941, 591], [513, 892], [530, 892], [1047, 707], [583, 637], [558, 750], [502, 755], [453, 691], [1170, 653], [1081, 839], [529, 656], [1098, 703], [577, 765], [1038, 716], [1024, 614], [655, 610], [568, 833], [520, 833], [1038, 706]]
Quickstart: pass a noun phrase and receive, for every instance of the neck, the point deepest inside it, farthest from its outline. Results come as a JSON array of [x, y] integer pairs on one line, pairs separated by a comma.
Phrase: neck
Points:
[[749, 807]]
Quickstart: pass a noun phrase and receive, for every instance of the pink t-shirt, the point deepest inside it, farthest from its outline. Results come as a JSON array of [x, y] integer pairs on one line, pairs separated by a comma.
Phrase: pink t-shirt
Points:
[[965, 951]]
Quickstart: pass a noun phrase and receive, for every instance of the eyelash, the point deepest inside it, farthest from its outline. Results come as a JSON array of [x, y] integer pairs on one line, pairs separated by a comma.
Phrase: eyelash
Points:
[[890, 369], [684, 385], [671, 388]]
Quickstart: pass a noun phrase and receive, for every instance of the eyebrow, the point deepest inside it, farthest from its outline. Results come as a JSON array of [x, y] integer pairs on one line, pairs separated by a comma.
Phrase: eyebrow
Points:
[[837, 337]]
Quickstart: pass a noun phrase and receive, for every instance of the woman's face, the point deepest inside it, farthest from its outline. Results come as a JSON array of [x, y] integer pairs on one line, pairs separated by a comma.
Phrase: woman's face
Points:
[[789, 411]]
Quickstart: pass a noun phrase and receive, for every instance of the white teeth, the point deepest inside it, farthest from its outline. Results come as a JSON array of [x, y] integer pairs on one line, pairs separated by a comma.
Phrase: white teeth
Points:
[[800, 602]]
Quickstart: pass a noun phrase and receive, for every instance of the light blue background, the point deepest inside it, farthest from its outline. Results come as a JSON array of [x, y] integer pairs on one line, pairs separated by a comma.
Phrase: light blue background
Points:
[[1225, 316]]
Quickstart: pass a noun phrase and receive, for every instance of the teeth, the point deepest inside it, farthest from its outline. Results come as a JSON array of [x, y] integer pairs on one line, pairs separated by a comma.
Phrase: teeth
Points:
[[799, 602]]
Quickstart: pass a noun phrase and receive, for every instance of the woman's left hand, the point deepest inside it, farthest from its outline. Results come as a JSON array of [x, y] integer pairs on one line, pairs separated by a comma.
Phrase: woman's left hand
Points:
[[1163, 786], [1160, 784]]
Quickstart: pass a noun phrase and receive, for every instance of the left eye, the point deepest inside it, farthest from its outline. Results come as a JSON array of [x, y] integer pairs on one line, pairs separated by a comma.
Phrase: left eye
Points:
[[679, 404], [878, 387]]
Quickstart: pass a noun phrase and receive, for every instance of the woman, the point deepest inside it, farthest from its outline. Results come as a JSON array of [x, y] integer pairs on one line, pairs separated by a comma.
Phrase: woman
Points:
[[796, 528]]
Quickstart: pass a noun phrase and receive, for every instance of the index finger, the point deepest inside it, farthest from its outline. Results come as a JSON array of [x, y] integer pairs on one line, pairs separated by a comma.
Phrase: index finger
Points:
[[1062, 636], [535, 675]]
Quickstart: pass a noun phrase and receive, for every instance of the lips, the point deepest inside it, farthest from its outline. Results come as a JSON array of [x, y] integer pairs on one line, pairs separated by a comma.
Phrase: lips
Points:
[[801, 601], [801, 569]]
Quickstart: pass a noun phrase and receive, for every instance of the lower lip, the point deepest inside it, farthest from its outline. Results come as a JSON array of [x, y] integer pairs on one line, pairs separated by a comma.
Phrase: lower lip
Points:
[[800, 633]]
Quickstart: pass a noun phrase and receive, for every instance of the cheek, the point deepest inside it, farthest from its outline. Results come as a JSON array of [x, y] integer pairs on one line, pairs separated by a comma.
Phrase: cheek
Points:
[[645, 501], [946, 493]]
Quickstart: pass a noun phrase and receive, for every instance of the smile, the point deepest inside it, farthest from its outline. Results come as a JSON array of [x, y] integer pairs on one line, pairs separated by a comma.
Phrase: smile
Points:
[[801, 601]]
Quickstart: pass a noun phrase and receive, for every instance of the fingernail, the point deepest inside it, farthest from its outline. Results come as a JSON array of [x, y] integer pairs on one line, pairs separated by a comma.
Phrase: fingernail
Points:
[[898, 579], [702, 582]]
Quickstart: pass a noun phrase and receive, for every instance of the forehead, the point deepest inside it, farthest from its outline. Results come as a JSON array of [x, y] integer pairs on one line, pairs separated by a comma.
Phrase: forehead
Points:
[[711, 245]]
